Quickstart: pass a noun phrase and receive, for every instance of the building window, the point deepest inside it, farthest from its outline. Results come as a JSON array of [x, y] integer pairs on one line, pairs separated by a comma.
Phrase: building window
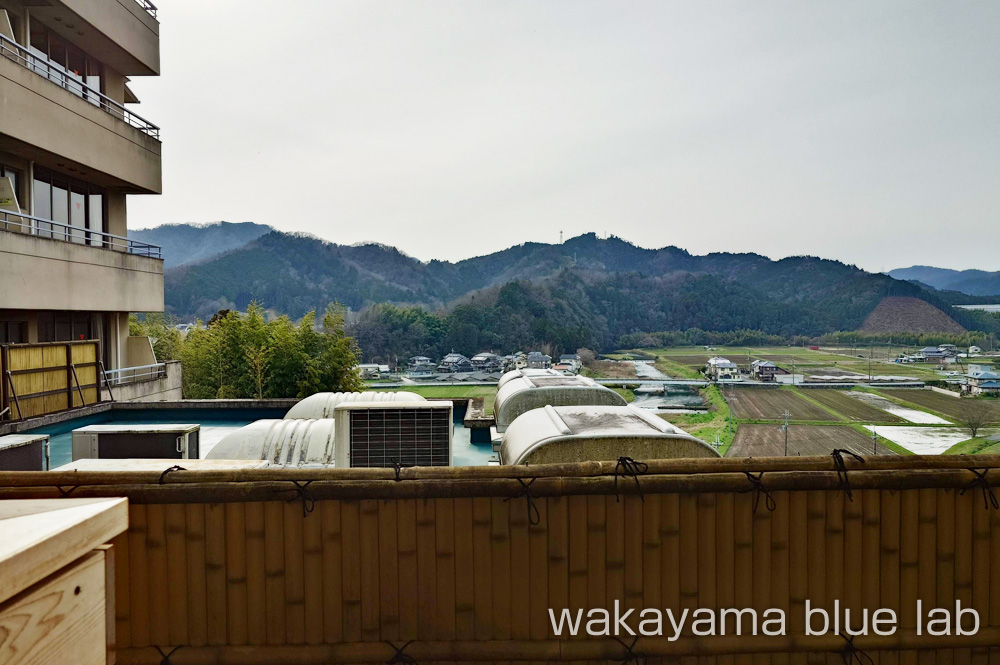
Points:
[[13, 332], [65, 64], [64, 326], [74, 203], [6, 171]]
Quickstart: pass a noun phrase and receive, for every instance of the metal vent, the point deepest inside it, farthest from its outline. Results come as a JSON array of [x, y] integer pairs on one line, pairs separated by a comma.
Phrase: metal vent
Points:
[[413, 437]]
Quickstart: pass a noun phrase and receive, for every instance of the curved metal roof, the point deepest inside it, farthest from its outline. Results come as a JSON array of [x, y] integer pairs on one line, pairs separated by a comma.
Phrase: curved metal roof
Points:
[[520, 394], [280, 442], [518, 373], [594, 433], [322, 405]]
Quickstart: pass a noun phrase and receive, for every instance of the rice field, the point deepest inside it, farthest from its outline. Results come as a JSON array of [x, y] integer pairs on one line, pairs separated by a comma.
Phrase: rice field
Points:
[[946, 405], [769, 441], [922, 440], [850, 407], [771, 404]]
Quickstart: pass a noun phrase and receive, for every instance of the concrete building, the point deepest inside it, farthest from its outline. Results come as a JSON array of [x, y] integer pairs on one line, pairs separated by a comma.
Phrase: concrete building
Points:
[[71, 152]]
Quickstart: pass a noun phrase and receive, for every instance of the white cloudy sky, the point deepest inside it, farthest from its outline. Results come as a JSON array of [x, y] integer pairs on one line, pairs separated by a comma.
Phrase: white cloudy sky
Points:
[[863, 131]]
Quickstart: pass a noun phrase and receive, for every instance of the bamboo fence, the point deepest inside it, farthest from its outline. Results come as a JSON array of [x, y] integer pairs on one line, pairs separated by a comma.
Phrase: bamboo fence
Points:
[[304, 566], [38, 379]]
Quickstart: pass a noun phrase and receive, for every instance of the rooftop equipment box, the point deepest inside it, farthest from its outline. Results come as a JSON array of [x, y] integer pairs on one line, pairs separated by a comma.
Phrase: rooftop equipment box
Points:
[[24, 452], [386, 433], [136, 441]]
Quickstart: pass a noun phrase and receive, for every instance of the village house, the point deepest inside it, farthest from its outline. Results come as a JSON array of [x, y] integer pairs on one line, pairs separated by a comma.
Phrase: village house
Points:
[[981, 380], [538, 360], [721, 369], [765, 370]]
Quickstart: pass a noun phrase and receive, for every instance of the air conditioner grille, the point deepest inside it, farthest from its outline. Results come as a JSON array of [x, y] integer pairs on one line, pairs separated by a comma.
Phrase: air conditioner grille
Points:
[[413, 437]]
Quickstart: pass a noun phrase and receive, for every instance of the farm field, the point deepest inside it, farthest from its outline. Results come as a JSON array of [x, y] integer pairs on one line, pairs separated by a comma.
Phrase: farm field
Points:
[[943, 404], [771, 403], [769, 441], [922, 440], [489, 393], [853, 409]]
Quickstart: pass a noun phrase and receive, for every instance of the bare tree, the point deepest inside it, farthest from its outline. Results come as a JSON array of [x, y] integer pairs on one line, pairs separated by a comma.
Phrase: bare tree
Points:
[[586, 355], [974, 414]]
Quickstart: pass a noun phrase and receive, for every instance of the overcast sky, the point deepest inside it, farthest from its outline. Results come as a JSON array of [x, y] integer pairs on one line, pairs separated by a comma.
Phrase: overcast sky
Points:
[[863, 131]]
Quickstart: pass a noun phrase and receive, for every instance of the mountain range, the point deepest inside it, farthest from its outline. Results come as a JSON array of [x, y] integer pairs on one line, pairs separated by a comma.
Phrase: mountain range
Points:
[[971, 282], [606, 286]]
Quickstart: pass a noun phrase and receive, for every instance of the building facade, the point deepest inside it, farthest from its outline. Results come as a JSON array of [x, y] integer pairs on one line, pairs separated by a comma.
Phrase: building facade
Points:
[[71, 152]]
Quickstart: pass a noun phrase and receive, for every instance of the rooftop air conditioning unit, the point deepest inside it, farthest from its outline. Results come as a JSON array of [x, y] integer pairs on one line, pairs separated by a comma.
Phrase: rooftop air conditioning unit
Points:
[[136, 442], [24, 452], [386, 433]]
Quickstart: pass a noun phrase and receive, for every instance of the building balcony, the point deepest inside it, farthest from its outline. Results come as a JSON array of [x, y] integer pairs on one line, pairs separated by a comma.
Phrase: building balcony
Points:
[[45, 265], [52, 115]]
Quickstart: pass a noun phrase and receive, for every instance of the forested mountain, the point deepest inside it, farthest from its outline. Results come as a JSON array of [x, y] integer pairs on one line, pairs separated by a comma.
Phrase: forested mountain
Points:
[[587, 291], [971, 282], [190, 243]]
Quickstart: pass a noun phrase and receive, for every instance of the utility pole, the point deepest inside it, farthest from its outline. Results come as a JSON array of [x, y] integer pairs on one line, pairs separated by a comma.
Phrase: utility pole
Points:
[[784, 428], [874, 442]]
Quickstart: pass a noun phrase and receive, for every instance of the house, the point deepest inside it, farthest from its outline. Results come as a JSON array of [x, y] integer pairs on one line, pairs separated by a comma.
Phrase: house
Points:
[[721, 369], [538, 360], [980, 380], [455, 363], [930, 354], [73, 153], [765, 370], [974, 350], [487, 362], [418, 360], [571, 359]]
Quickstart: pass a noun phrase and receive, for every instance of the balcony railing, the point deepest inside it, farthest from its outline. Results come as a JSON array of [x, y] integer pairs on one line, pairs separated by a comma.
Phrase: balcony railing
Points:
[[46, 228], [148, 6], [68, 81], [126, 375]]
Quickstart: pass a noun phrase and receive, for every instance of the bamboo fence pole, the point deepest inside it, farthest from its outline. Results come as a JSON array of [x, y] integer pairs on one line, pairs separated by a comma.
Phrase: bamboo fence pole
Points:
[[482, 551], [909, 569], [295, 615], [964, 509], [557, 543], [596, 552], [779, 587], [817, 570], [368, 535], [520, 580], [350, 543], [444, 554], [237, 602], [500, 541], [312, 561], [139, 576], [761, 567], [388, 560], [159, 585], [465, 596], [197, 574], [177, 602], [253, 514], [577, 551], [614, 557], [274, 570], [927, 558], [743, 556], [798, 571], [333, 598], [888, 564], [945, 583], [642, 528], [215, 572], [725, 562], [984, 580]]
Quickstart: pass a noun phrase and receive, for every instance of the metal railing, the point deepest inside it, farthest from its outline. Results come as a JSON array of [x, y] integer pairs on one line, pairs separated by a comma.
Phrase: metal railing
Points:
[[126, 375], [68, 81], [46, 228], [148, 6]]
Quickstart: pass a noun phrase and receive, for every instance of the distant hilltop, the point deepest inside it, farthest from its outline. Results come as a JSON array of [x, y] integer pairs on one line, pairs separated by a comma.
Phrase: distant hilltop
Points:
[[971, 282], [190, 243], [602, 288]]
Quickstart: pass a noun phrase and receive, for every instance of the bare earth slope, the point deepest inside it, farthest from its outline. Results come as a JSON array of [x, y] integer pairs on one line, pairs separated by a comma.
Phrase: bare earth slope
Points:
[[907, 314]]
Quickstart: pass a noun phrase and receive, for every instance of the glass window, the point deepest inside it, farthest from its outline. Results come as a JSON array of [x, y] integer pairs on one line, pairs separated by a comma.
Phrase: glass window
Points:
[[76, 69], [60, 211], [6, 171], [77, 215], [95, 216], [43, 207]]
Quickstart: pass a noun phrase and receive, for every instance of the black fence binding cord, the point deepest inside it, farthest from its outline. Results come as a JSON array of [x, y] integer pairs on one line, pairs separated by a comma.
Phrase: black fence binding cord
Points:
[[397, 467], [980, 481], [850, 654], [166, 656], [400, 658], [841, 466], [302, 494], [758, 489], [175, 467], [534, 517], [631, 655], [65, 493], [629, 467]]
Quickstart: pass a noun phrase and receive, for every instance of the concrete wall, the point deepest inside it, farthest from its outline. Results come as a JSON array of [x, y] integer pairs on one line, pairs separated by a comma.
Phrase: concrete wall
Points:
[[40, 113], [156, 390], [39, 273], [119, 32]]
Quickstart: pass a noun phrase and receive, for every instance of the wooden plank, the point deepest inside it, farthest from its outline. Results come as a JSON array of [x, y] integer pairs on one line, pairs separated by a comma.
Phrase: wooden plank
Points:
[[295, 601], [908, 566], [614, 558], [779, 562], [557, 543], [274, 570], [215, 572], [312, 554], [465, 580], [927, 558], [596, 551], [388, 557], [350, 521], [177, 603], [798, 572], [60, 620], [725, 560], [333, 603], [236, 574], [197, 574], [889, 570], [538, 570], [253, 513], [159, 585], [500, 539], [368, 547], [409, 609], [444, 554]]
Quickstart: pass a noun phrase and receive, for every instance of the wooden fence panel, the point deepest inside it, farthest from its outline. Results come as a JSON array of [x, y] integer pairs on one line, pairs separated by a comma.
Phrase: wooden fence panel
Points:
[[38, 379]]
